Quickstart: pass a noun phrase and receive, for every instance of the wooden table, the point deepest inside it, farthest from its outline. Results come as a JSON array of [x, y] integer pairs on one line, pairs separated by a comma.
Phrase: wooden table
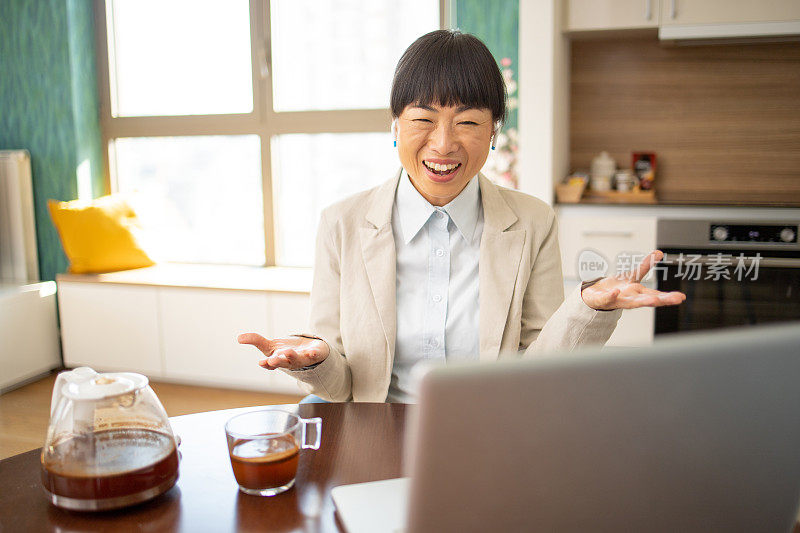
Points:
[[360, 442]]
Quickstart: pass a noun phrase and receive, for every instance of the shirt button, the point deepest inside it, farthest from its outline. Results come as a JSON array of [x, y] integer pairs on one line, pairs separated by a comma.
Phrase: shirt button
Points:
[[440, 252], [437, 298], [439, 214], [434, 343]]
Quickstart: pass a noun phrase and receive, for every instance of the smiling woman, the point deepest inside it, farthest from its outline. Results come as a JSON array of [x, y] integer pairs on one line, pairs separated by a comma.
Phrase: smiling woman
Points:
[[438, 263]]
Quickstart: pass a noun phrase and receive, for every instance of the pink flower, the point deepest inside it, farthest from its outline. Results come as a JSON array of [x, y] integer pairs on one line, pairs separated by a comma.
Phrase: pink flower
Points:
[[506, 62]]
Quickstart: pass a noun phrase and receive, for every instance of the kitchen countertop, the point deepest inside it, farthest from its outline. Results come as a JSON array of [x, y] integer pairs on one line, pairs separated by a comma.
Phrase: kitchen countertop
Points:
[[682, 211], [684, 204]]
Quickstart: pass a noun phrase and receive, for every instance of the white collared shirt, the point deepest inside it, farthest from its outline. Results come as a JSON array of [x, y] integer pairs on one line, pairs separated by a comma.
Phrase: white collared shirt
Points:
[[438, 249]]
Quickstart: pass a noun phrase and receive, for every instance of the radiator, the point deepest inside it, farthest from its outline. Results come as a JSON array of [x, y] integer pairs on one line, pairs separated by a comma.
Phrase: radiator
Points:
[[19, 261]]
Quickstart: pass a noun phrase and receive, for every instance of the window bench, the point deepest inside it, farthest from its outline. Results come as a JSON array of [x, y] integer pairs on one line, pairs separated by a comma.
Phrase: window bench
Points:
[[179, 322]]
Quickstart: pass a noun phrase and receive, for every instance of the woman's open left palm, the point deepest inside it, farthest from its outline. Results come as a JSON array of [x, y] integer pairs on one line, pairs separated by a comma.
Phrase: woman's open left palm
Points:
[[625, 291]]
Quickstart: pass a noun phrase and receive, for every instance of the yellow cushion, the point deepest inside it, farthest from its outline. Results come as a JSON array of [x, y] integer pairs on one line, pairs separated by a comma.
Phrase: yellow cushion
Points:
[[100, 235]]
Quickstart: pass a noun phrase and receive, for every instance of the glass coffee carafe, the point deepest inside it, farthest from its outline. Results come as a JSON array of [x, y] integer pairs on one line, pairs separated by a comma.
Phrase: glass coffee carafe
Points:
[[109, 442]]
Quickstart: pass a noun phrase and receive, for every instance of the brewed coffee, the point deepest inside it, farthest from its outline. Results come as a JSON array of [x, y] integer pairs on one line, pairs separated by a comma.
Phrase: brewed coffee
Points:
[[126, 465], [265, 463]]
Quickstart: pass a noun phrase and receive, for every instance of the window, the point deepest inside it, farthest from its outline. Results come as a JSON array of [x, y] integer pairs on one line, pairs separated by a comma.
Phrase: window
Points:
[[232, 124]]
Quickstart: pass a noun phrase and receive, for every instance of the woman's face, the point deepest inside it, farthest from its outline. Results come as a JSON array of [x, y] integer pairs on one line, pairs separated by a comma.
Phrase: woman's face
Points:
[[454, 140]]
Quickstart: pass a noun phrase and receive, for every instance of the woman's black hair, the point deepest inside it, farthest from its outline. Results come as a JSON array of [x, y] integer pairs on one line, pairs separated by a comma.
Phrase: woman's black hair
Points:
[[449, 68]]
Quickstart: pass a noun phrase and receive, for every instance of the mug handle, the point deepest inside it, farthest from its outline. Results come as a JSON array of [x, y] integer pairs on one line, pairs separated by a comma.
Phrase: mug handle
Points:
[[317, 423]]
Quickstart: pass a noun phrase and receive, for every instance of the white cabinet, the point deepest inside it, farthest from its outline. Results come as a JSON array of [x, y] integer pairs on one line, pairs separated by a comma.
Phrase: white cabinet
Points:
[[28, 332], [110, 327], [686, 19], [612, 237], [288, 313], [588, 15], [200, 327], [199, 331], [713, 19], [636, 327], [675, 12], [180, 334]]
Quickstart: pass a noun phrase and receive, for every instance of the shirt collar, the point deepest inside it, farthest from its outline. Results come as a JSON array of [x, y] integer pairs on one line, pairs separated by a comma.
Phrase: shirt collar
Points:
[[465, 209], [414, 210]]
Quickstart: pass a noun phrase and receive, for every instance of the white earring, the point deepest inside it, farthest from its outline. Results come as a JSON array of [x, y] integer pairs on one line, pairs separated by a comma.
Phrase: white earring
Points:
[[494, 142], [394, 132]]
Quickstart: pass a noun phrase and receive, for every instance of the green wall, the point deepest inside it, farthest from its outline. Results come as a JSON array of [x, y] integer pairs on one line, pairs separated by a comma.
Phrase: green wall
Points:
[[48, 104], [496, 23]]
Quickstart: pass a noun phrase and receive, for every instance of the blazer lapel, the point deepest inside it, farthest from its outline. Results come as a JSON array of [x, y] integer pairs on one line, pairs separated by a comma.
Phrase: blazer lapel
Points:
[[378, 252], [500, 256]]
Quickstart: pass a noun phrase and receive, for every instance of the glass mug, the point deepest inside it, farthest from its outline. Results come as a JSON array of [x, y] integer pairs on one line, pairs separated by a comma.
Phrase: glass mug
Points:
[[264, 448]]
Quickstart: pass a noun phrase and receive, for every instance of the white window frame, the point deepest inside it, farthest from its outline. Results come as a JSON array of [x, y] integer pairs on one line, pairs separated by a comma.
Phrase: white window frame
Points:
[[263, 121]]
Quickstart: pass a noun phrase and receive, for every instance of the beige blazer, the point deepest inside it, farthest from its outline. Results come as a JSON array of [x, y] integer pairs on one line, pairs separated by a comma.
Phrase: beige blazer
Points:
[[521, 290]]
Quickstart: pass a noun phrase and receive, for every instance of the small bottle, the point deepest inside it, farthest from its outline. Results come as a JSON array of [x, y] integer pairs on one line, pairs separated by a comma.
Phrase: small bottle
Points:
[[603, 167]]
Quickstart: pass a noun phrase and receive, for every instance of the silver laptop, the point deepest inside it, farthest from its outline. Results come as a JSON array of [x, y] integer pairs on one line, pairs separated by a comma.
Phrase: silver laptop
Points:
[[699, 433]]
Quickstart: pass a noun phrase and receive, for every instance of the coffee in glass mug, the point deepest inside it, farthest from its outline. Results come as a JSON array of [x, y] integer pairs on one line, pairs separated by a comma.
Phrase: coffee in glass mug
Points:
[[264, 449]]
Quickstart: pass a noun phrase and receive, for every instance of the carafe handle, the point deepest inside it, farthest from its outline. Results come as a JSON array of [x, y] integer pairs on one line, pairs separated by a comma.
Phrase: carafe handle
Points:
[[317, 425]]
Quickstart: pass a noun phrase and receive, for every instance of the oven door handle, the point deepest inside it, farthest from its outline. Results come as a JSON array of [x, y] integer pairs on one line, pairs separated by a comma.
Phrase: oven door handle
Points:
[[768, 262]]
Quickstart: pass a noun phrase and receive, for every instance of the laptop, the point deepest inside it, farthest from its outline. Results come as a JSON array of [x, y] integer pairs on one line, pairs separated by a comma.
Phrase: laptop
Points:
[[700, 432]]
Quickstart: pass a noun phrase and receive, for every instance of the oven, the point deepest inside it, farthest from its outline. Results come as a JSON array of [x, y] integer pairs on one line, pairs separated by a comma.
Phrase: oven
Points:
[[733, 273]]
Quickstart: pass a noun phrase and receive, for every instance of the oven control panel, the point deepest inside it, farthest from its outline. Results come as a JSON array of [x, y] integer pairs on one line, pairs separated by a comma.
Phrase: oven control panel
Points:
[[753, 233]]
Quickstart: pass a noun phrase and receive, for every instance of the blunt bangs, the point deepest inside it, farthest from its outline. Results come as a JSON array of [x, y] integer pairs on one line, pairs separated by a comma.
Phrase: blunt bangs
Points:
[[449, 68]]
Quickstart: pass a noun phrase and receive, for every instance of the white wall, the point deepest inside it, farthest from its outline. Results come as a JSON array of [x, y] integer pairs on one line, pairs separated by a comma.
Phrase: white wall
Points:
[[544, 97]]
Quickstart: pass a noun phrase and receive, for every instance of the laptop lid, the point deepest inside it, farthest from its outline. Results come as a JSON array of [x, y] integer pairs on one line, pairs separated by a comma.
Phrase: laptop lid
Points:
[[372, 507], [700, 432]]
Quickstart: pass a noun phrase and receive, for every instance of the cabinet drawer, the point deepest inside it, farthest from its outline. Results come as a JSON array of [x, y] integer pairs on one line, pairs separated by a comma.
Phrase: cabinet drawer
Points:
[[607, 236]]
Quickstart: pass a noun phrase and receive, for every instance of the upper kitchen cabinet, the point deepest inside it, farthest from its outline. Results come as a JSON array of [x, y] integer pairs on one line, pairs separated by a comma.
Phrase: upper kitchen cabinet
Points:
[[711, 19], [591, 15], [686, 19], [728, 11]]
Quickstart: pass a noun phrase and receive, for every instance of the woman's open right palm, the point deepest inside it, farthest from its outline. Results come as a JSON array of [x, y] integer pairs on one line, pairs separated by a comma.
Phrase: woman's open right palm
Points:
[[292, 352]]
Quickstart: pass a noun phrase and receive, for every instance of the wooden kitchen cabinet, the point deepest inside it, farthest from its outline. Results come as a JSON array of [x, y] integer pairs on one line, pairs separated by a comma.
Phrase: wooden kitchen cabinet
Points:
[[679, 12], [589, 15]]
